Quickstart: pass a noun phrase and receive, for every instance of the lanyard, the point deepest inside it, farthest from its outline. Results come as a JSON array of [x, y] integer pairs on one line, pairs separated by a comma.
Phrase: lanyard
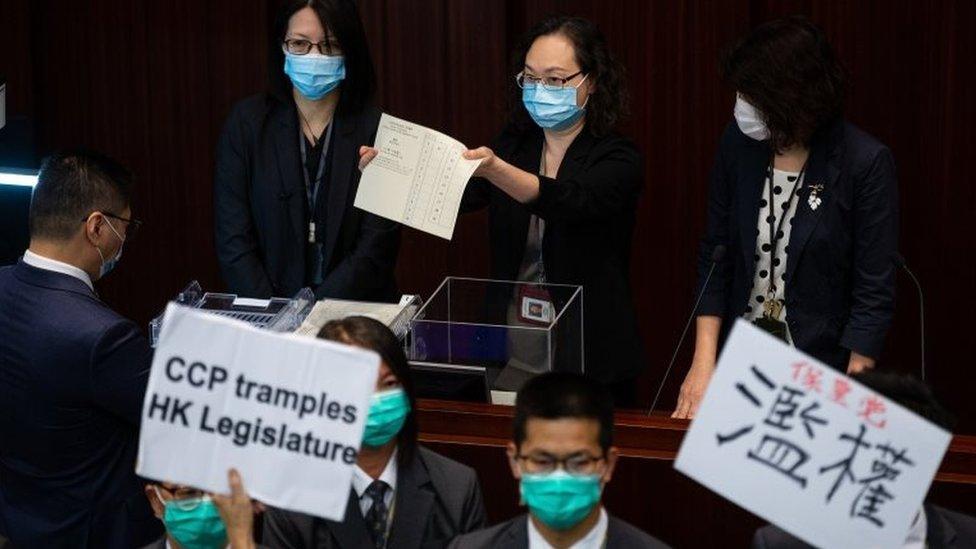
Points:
[[774, 230], [312, 187]]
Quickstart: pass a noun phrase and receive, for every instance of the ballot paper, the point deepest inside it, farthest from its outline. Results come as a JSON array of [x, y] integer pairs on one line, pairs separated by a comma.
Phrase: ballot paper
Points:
[[394, 315], [417, 178]]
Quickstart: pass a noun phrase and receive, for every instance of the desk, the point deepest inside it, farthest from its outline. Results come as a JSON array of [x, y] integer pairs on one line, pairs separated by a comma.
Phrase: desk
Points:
[[645, 490]]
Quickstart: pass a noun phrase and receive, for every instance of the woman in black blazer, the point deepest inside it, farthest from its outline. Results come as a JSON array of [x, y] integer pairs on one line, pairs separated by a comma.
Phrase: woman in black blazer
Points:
[[805, 206], [286, 174]]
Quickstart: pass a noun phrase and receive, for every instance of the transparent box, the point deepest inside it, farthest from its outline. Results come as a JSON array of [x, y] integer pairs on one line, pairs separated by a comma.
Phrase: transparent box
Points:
[[505, 327]]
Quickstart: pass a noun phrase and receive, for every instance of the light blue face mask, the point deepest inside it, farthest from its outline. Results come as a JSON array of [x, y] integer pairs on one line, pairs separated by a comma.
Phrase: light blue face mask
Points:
[[315, 75], [109, 264], [195, 524], [560, 499], [387, 412], [553, 109]]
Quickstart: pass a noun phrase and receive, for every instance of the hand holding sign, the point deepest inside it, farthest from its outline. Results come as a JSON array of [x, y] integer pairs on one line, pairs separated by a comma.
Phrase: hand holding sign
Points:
[[286, 411]]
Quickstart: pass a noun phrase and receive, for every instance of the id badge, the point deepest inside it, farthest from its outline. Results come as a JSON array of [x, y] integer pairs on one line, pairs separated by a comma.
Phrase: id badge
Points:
[[535, 306]]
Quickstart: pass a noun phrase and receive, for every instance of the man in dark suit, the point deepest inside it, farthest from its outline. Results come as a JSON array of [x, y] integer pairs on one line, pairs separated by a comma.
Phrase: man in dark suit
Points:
[[934, 527], [562, 455], [72, 371]]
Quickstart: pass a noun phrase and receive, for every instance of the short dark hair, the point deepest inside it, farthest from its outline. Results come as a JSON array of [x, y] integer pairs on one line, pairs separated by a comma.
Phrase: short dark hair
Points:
[[790, 73], [374, 335], [910, 392], [558, 395], [609, 101], [70, 186], [342, 18]]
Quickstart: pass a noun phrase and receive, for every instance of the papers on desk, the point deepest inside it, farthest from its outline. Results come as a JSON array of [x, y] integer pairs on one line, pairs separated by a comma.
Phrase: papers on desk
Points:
[[394, 315], [417, 178]]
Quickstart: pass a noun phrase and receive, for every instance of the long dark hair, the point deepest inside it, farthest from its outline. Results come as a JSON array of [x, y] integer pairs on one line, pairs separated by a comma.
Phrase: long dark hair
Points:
[[788, 71], [342, 18], [609, 101], [375, 336]]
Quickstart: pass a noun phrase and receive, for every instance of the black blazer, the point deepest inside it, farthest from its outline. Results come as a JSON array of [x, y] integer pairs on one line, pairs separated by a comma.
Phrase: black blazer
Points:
[[840, 271], [589, 210], [261, 207], [436, 500], [946, 530], [73, 374], [514, 534]]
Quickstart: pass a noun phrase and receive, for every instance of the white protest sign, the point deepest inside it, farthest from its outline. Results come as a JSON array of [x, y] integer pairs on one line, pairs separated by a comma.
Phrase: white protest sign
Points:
[[287, 411], [809, 449]]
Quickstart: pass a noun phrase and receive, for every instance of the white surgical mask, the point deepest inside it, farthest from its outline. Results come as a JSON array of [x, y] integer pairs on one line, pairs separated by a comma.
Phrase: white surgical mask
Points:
[[749, 120]]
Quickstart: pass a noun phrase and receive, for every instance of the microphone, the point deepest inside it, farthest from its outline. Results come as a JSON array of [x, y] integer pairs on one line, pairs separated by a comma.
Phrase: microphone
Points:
[[900, 262], [717, 254]]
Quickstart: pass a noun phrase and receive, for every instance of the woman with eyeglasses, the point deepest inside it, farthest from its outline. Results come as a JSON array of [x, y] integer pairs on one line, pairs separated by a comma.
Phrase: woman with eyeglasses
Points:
[[562, 188], [286, 174]]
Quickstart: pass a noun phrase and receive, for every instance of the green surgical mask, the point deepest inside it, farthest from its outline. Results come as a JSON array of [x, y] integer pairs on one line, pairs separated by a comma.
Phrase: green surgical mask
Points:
[[387, 412], [559, 499], [195, 523]]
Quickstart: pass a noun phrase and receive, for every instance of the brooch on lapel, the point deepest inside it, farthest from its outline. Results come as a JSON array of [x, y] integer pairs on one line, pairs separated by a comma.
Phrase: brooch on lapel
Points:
[[814, 199]]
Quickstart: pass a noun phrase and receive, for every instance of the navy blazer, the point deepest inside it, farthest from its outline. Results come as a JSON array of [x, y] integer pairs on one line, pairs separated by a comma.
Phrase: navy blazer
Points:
[[840, 271], [72, 378], [590, 211], [261, 207]]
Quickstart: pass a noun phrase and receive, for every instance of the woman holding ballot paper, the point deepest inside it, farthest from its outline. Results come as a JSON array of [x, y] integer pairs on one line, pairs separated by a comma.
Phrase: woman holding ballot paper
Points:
[[562, 189], [286, 172]]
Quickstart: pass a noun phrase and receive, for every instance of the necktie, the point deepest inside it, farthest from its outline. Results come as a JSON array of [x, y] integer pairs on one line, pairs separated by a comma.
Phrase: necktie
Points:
[[378, 513]]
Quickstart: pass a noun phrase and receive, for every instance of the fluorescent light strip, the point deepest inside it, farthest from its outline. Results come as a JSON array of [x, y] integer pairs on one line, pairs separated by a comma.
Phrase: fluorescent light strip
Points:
[[18, 179]]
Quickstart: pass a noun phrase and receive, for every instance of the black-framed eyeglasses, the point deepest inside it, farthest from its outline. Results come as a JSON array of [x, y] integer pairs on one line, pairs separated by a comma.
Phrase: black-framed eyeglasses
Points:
[[548, 82], [300, 46], [131, 228], [576, 464]]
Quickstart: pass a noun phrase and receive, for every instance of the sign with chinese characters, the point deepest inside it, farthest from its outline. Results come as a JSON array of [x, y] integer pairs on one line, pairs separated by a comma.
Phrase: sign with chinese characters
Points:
[[809, 449]]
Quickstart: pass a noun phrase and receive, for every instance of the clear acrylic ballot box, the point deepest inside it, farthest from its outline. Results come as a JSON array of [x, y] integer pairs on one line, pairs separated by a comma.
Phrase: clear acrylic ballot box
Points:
[[511, 331], [277, 314]]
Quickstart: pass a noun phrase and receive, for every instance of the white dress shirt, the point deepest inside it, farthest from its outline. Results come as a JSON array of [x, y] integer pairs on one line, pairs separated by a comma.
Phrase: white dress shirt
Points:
[[918, 532], [594, 539], [361, 481], [49, 264]]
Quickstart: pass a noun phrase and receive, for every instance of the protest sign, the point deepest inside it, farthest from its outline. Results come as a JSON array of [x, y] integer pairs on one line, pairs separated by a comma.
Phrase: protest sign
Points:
[[809, 449], [287, 411]]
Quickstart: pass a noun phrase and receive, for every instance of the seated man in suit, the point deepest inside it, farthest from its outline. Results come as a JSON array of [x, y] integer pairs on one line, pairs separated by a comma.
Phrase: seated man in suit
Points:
[[562, 457], [934, 527], [72, 371]]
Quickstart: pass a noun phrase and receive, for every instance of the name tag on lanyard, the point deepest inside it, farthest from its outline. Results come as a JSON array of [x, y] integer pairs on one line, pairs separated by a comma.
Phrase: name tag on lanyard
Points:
[[312, 186]]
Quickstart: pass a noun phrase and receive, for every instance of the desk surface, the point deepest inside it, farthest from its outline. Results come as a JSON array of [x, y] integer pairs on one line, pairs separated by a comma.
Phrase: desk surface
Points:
[[636, 435]]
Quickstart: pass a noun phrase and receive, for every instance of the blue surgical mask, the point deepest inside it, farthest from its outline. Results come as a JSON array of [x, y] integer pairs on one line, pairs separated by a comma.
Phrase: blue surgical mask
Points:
[[109, 264], [387, 412], [195, 523], [315, 75], [554, 109], [560, 499]]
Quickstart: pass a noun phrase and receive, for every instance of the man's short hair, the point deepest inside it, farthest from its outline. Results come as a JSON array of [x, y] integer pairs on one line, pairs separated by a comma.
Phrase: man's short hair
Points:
[[558, 395], [910, 392], [73, 184]]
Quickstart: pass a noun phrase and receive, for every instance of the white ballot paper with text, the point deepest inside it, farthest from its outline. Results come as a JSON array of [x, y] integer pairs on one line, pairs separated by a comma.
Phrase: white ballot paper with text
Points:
[[417, 178], [808, 448], [286, 411]]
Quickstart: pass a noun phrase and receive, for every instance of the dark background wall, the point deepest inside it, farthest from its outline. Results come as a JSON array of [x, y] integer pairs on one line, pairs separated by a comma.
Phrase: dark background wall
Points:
[[151, 82]]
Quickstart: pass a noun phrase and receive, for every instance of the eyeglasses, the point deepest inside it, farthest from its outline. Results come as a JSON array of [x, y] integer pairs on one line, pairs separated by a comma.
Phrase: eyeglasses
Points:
[[299, 46], [550, 83], [577, 464], [184, 497], [132, 226]]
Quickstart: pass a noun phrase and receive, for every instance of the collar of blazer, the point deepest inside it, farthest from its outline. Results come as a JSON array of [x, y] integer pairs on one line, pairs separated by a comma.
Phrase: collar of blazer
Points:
[[940, 532], [342, 160], [33, 276], [826, 149]]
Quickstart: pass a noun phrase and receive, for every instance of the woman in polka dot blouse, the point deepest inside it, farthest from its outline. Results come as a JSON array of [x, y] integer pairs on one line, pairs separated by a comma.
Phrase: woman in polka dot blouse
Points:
[[806, 207]]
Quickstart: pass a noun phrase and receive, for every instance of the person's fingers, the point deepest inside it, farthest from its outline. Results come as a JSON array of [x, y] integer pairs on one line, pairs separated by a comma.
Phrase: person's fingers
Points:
[[480, 152], [681, 412], [366, 155], [237, 491], [258, 506], [693, 408]]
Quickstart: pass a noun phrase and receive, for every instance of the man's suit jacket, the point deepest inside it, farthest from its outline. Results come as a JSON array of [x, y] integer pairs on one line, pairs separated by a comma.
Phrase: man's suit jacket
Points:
[[514, 534], [589, 210], [840, 270], [435, 500], [262, 210], [72, 378], [946, 529]]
